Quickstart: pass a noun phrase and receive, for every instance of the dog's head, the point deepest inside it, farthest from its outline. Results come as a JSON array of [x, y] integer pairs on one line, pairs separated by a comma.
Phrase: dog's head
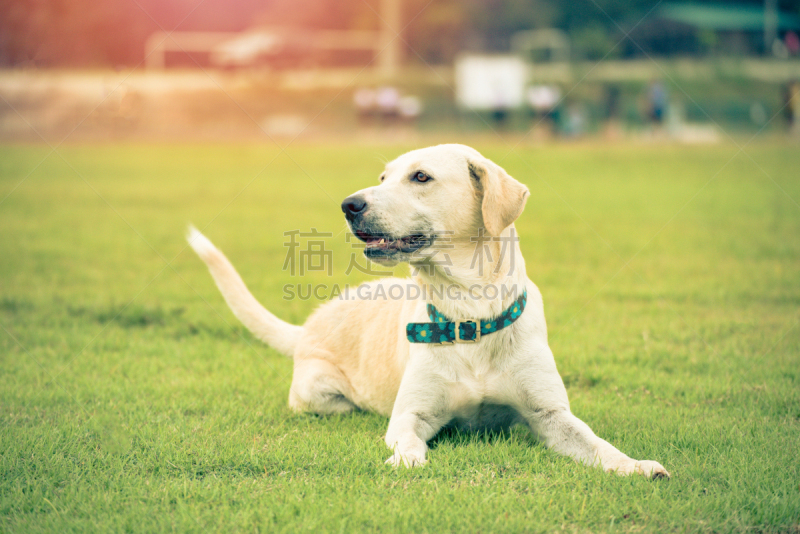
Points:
[[430, 198]]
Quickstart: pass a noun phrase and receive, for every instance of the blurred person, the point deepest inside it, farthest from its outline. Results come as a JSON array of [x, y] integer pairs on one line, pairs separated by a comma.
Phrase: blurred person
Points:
[[543, 101], [612, 128], [387, 99], [576, 122], [500, 107], [758, 113], [409, 108], [791, 107], [364, 100], [657, 102], [792, 43]]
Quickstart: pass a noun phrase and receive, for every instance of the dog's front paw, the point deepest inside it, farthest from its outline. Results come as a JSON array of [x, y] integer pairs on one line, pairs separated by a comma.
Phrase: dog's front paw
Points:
[[647, 468], [650, 469], [408, 459]]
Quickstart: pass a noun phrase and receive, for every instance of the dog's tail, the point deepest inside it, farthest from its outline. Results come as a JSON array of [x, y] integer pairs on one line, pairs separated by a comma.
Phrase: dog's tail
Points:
[[278, 334]]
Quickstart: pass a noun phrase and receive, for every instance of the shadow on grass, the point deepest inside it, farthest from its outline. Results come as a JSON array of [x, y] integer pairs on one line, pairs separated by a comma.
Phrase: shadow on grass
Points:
[[450, 435], [14, 305], [133, 317], [459, 437]]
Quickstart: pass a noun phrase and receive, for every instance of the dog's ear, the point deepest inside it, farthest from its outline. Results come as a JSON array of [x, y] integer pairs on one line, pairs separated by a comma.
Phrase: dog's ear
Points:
[[503, 197]]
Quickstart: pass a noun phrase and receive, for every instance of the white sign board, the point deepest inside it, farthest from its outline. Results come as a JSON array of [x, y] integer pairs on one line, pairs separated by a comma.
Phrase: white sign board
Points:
[[490, 82]]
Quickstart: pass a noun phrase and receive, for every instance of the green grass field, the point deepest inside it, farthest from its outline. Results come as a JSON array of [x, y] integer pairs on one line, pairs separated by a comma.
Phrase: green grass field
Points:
[[133, 401]]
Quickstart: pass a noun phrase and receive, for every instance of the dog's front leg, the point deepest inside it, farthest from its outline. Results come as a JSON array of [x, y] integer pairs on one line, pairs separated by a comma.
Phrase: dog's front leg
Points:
[[568, 435], [540, 397], [420, 411]]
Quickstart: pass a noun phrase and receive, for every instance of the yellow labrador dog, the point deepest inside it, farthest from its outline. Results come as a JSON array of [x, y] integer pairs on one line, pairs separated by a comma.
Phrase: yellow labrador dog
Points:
[[469, 350]]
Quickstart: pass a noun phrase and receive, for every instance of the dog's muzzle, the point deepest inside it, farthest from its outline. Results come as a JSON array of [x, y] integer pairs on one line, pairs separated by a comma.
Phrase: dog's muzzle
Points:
[[354, 206]]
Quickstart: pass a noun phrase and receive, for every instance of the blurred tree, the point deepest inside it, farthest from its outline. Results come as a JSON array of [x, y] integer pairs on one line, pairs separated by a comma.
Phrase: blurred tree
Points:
[[112, 32], [434, 33], [497, 20], [594, 41], [70, 32], [325, 14]]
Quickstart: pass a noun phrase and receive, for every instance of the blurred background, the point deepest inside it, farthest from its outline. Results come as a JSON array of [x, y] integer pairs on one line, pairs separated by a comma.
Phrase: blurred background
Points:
[[373, 69]]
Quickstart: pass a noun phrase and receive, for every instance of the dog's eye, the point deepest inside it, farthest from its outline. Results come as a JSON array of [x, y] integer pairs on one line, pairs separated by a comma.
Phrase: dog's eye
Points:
[[420, 177], [383, 177]]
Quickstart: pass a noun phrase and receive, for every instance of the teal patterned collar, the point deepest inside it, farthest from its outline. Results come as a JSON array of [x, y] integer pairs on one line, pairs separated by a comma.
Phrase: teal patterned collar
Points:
[[443, 331]]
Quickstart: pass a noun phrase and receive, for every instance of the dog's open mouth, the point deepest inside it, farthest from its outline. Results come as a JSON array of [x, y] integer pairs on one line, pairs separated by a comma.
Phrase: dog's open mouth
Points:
[[381, 245]]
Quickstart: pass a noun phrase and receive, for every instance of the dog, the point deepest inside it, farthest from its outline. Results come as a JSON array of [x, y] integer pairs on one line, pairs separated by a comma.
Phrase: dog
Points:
[[471, 351]]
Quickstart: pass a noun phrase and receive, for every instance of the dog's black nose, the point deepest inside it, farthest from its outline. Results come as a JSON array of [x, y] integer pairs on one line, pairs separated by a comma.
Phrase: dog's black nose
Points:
[[352, 206]]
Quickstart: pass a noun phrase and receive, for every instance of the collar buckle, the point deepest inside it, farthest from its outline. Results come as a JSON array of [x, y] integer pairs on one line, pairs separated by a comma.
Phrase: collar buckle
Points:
[[477, 337]]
